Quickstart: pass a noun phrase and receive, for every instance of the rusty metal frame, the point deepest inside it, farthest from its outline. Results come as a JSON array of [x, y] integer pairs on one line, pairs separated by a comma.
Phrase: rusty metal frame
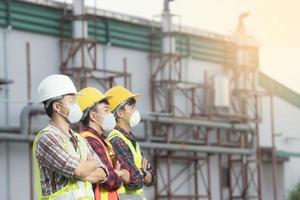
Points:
[[170, 183], [166, 82], [69, 47]]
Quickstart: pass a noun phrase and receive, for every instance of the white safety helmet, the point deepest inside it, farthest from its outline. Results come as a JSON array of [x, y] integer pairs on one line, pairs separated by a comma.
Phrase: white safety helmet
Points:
[[54, 86]]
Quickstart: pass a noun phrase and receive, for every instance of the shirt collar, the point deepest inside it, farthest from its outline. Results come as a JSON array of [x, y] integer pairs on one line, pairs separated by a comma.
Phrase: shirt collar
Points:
[[129, 134], [96, 133], [53, 126]]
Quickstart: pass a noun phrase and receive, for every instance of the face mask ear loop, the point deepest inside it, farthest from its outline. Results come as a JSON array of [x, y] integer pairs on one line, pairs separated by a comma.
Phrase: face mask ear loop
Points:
[[101, 125], [61, 112]]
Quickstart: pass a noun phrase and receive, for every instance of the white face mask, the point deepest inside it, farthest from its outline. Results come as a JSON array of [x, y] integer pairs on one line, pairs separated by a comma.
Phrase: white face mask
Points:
[[135, 118], [75, 113], [108, 122]]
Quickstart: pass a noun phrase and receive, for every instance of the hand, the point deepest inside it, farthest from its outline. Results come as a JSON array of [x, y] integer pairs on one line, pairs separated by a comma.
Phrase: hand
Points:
[[124, 174], [118, 172], [147, 178], [118, 166], [91, 156], [144, 163], [85, 168], [117, 169], [98, 175]]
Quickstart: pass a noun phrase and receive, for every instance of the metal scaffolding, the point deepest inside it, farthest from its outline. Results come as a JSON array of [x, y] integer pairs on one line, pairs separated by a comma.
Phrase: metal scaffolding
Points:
[[239, 174], [78, 52], [191, 136]]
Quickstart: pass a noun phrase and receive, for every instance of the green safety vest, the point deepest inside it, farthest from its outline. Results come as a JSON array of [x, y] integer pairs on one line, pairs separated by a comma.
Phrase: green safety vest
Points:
[[126, 193], [75, 189]]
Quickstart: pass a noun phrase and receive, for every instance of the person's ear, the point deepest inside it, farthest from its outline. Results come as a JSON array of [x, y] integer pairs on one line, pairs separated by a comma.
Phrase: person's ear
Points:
[[119, 113], [92, 116], [56, 106]]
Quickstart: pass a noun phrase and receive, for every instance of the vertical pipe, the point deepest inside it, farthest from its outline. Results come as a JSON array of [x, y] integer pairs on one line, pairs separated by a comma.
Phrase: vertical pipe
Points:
[[170, 66], [6, 33], [196, 167], [205, 93], [180, 71], [220, 175], [107, 44], [274, 164], [258, 153], [208, 176], [156, 167], [245, 177], [125, 72], [230, 176], [168, 41], [6, 91], [152, 84], [220, 165], [169, 176], [96, 35], [193, 102], [8, 197], [28, 63], [80, 34]]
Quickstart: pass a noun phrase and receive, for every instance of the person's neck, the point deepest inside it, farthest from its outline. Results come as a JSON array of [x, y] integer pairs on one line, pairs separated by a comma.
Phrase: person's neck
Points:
[[96, 127], [61, 123], [124, 126]]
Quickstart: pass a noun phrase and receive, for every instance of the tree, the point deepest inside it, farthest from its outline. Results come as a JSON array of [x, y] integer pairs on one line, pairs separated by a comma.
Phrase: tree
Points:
[[295, 193]]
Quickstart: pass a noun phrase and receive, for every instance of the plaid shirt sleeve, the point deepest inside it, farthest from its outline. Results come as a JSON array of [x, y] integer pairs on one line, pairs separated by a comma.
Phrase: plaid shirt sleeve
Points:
[[91, 150], [152, 171], [126, 160], [52, 155], [113, 182]]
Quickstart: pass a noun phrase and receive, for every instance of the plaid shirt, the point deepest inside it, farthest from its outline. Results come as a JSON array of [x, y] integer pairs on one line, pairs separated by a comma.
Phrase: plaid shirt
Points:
[[56, 166], [113, 182], [126, 160]]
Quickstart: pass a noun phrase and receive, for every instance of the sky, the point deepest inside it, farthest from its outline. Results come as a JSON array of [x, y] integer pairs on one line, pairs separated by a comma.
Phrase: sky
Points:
[[273, 22]]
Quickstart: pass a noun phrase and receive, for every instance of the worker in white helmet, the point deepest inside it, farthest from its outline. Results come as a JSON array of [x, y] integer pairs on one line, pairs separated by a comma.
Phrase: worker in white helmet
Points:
[[65, 165]]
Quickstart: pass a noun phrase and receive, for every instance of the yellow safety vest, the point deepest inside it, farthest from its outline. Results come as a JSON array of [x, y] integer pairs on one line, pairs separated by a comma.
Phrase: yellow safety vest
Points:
[[130, 194], [75, 189], [100, 192]]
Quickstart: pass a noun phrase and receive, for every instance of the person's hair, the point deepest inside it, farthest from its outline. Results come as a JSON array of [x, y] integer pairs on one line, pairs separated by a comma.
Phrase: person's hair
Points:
[[86, 120], [49, 109], [48, 106], [129, 102]]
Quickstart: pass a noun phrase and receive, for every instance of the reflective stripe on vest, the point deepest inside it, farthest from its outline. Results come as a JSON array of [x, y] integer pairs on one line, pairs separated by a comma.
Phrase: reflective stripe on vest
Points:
[[74, 189], [100, 192], [137, 156]]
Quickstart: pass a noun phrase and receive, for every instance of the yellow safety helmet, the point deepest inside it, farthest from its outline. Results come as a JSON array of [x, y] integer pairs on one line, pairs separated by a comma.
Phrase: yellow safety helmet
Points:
[[119, 95], [89, 97]]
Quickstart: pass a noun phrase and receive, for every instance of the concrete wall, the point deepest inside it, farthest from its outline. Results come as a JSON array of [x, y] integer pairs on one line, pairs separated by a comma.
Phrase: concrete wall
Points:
[[15, 179], [267, 186], [287, 127]]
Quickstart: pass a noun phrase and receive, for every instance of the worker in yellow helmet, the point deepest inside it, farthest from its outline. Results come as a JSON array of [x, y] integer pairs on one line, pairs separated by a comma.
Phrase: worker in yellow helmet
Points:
[[123, 105], [98, 119], [64, 163]]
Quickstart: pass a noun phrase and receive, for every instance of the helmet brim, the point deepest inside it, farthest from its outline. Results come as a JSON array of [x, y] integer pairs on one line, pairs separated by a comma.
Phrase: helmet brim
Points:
[[135, 96]]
